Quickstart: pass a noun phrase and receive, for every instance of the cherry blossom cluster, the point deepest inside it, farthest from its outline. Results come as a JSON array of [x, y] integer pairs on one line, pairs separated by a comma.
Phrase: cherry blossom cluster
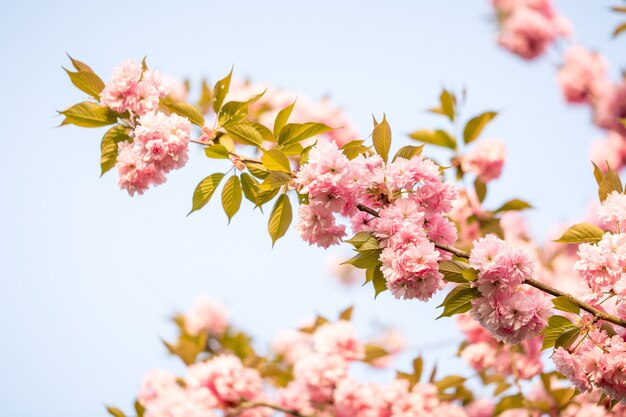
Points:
[[222, 383], [159, 141], [134, 89], [160, 145], [601, 265], [412, 200], [510, 311], [597, 360], [485, 160], [484, 353], [529, 27], [320, 383]]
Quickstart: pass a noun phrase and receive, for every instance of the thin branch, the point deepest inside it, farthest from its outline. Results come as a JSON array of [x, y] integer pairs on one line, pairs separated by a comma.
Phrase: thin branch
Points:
[[250, 404], [529, 281], [587, 307]]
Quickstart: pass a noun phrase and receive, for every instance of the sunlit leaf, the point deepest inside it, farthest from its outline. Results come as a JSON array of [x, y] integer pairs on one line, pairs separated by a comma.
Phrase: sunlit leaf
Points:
[[89, 114], [581, 232], [231, 196], [382, 138], [475, 126], [204, 191], [280, 218]]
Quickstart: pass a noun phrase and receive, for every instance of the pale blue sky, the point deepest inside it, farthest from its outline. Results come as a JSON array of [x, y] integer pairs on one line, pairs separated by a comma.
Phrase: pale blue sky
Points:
[[90, 275]]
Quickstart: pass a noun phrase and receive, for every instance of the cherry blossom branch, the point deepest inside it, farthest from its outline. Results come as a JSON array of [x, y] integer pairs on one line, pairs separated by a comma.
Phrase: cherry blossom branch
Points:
[[599, 314], [250, 404], [587, 307]]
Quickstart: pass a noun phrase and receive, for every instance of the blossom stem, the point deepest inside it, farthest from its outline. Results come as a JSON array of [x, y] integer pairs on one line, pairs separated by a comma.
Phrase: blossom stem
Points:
[[249, 404], [529, 281]]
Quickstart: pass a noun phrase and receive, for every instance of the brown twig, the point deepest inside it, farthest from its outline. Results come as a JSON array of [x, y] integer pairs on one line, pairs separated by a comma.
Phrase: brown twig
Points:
[[250, 404]]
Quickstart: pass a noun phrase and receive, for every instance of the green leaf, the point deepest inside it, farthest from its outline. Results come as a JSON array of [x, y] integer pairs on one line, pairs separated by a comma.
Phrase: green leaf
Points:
[[562, 396], [581, 232], [459, 300], [449, 382], [567, 338], [408, 152], [280, 218], [608, 329], [565, 304], [257, 169], [597, 173], [500, 388], [295, 132], [281, 119], [263, 196], [88, 114], [275, 179], [88, 82], [217, 151], [619, 29], [115, 412], [453, 271], [611, 182], [481, 190], [276, 160], [231, 196], [108, 146], [220, 91], [556, 325], [436, 137], [510, 402], [206, 97], [187, 110], [513, 205], [379, 281], [232, 113], [359, 239], [139, 409], [373, 352], [346, 314], [382, 138], [418, 367], [470, 275], [235, 112], [248, 133], [448, 102], [354, 148], [304, 155], [204, 191], [80, 66], [250, 187], [475, 126]]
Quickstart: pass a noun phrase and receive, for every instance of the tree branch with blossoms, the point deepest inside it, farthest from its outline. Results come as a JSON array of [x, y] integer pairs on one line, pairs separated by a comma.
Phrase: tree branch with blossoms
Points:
[[405, 216]]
